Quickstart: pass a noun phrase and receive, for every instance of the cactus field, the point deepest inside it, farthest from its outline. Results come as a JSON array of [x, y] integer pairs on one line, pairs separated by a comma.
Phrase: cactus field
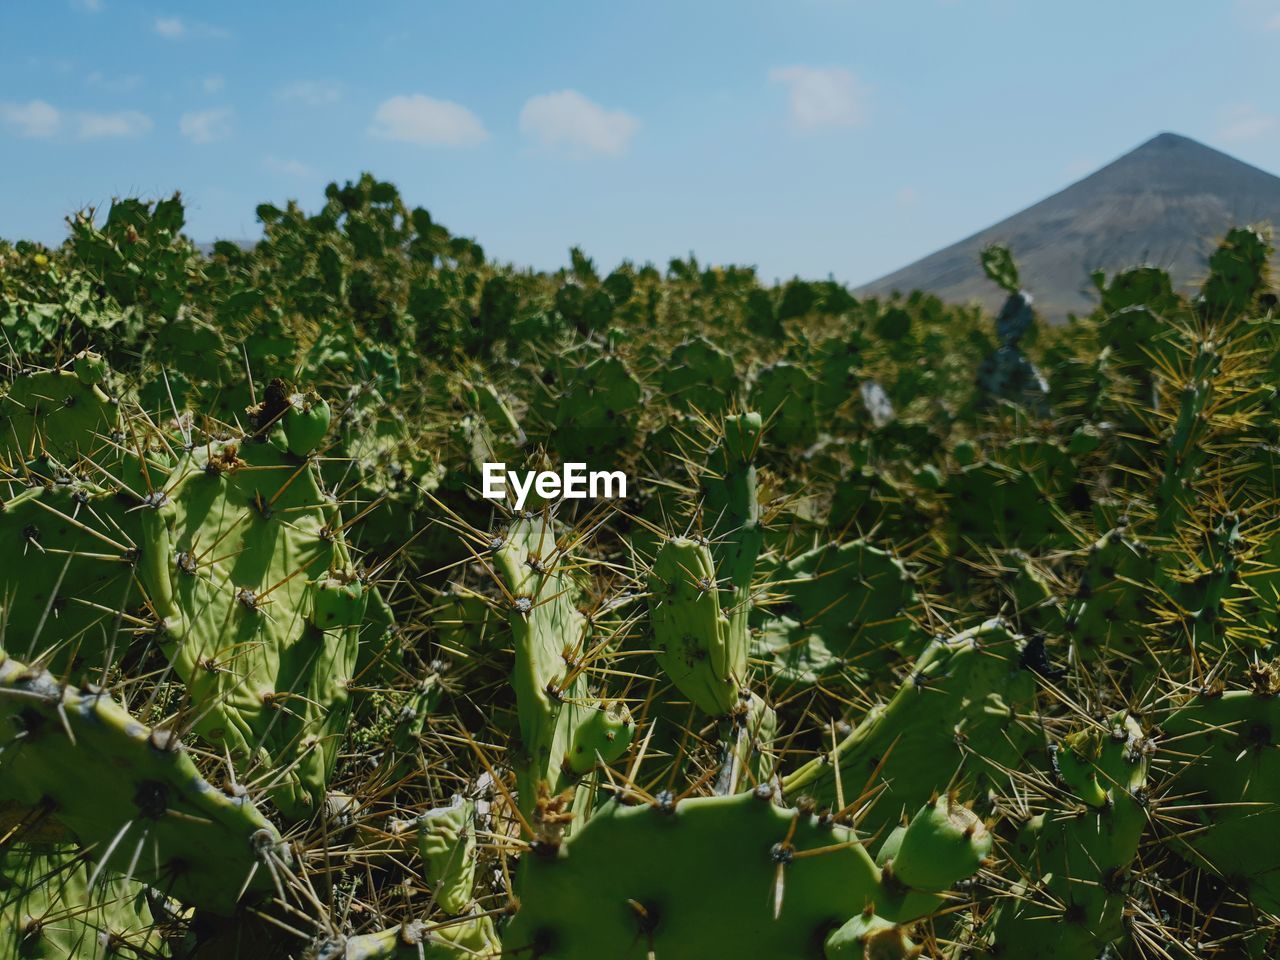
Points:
[[919, 632]]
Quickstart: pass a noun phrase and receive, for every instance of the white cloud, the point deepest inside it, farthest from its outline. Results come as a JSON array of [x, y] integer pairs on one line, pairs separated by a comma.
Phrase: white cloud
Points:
[[312, 93], [568, 119], [115, 84], [1244, 121], [170, 27], [34, 119], [213, 84], [823, 97], [206, 126], [121, 123], [93, 6], [292, 168], [175, 28], [424, 120]]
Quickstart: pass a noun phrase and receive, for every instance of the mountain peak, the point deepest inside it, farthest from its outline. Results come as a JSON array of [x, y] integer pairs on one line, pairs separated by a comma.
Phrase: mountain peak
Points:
[[1169, 139], [1166, 202]]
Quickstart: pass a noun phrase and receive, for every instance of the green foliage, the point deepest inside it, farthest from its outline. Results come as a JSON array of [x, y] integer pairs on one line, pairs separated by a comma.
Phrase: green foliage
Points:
[[993, 598]]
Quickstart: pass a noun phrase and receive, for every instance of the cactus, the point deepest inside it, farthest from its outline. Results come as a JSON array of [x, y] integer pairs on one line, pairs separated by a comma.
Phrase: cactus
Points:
[[1225, 761], [131, 793], [54, 904], [848, 607], [954, 724], [596, 413], [699, 646], [1073, 862], [260, 613], [753, 879], [564, 731], [447, 845], [60, 414], [67, 556], [785, 394], [700, 376], [1238, 272], [254, 637], [731, 514]]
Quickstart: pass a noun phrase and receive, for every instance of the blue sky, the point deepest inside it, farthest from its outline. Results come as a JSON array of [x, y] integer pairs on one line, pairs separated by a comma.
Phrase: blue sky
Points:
[[812, 137]]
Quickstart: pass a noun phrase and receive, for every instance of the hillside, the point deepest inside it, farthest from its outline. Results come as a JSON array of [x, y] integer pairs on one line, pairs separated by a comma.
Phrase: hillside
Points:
[[1164, 203]]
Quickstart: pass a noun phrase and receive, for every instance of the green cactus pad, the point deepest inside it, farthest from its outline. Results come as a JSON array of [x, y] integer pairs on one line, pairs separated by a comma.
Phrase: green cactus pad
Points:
[[731, 876], [231, 551], [447, 845], [697, 645], [54, 413], [944, 840], [131, 793], [956, 721]]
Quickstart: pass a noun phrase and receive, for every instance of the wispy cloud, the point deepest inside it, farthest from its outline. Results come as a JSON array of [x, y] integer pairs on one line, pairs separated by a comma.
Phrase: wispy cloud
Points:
[[1245, 121], [175, 28], [213, 84], [93, 6], [35, 119], [822, 97], [206, 126], [417, 118], [117, 124], [568, 119], [114, 84], [39, 119], [311, 93], [171, 27], [292, 168]]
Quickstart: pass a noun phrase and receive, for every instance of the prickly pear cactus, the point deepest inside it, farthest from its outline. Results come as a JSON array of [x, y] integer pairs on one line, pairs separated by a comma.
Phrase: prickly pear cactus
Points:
[[260, 611], [992, 598], [772, 880], [131, 794], [956, 723]]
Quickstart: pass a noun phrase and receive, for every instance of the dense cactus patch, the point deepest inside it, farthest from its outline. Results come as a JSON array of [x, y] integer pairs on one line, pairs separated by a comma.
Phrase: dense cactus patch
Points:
[[918, 632]]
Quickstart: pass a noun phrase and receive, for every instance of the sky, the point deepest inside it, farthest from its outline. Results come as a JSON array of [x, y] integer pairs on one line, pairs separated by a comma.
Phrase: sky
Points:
[[817, 138]]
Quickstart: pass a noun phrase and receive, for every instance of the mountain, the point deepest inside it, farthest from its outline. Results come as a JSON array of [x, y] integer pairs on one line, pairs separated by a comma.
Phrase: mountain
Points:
[[1165, 203]]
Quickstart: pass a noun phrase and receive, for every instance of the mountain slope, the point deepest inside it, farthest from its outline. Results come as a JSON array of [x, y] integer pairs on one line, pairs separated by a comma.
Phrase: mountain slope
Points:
[[1165, 203]]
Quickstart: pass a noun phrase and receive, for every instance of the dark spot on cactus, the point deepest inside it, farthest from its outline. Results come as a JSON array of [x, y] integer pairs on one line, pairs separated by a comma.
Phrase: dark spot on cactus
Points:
[[543, 942], [152, 799], [29, 722], [31, 533]]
